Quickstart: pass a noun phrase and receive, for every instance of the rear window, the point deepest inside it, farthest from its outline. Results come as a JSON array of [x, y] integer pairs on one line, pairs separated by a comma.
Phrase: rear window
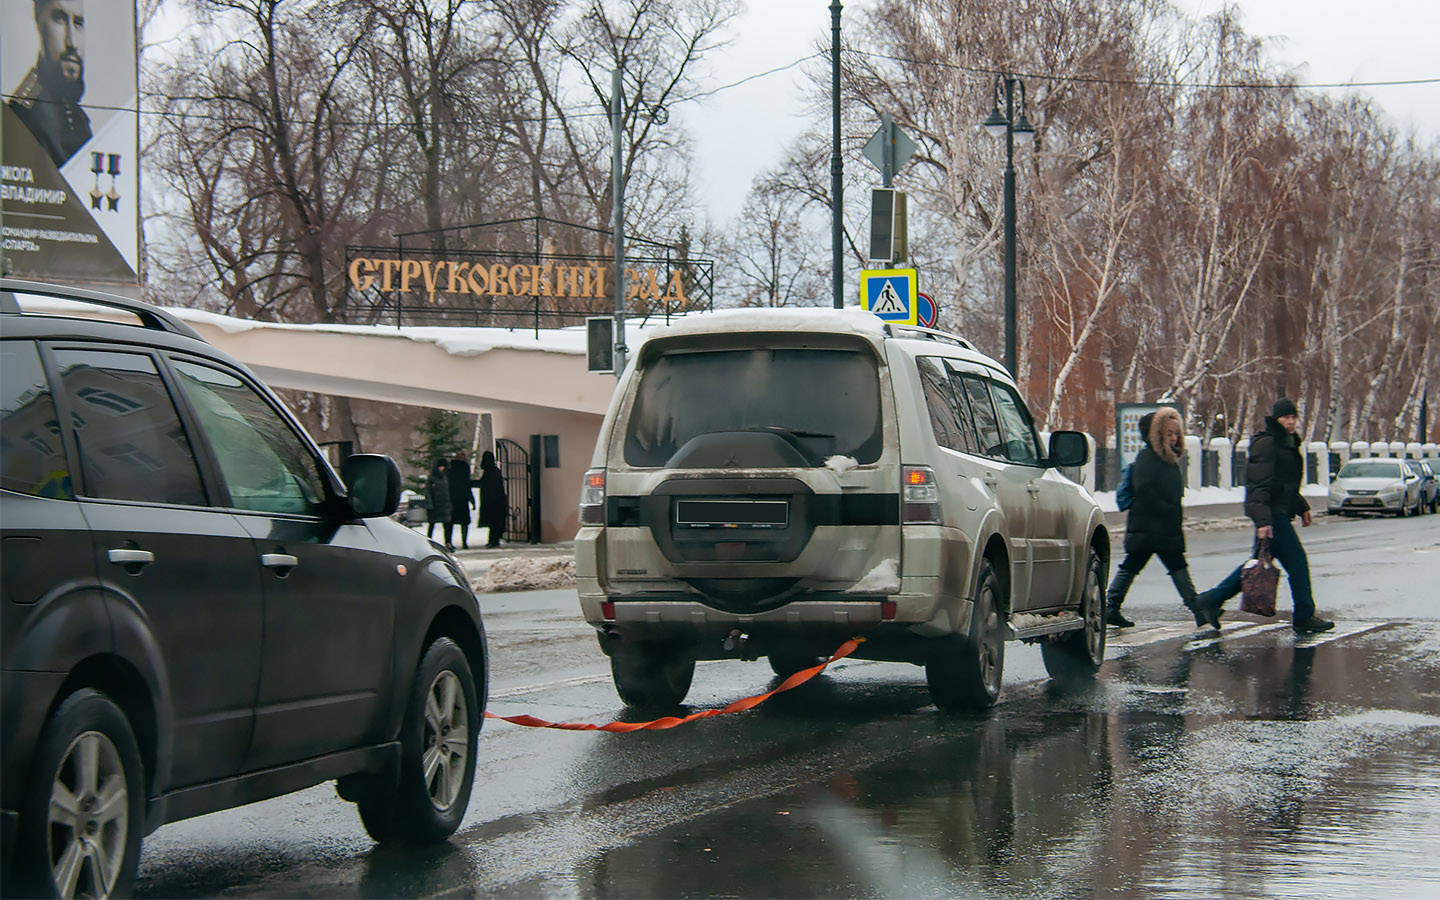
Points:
[[1371, 468], [826, 401]]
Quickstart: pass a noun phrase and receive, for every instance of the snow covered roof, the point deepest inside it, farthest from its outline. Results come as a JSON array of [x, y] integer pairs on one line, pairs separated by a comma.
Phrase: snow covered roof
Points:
[[845, 321], [455, 340]]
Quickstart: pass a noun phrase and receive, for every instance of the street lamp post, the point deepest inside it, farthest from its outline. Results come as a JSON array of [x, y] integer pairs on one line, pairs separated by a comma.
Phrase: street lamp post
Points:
[[1015, 130]]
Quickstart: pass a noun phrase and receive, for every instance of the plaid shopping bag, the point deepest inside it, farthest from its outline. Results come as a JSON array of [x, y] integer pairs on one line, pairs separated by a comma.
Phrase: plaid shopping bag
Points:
[[1258, 582]]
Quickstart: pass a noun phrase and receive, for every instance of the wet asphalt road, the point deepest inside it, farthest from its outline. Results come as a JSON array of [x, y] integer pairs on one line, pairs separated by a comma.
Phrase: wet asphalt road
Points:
[[1244, 765]]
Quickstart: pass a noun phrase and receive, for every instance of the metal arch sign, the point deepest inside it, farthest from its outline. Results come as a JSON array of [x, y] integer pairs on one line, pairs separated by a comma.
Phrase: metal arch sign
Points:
[[890, 294], [926, 313]]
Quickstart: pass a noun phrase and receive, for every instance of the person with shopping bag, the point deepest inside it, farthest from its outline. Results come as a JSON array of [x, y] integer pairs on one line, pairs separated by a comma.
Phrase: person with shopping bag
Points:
[[1273, 478]]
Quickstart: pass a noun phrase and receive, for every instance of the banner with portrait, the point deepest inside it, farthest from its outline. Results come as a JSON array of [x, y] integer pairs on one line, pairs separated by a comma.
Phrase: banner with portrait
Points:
[[69, 141]]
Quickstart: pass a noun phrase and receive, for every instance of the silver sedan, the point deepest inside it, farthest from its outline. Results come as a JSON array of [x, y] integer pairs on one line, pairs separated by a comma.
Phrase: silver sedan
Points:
[[1376, 486]]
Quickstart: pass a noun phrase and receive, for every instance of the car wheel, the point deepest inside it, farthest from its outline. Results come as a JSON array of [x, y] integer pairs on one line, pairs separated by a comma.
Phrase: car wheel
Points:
[[437, 754], [651, 675], [83, 810], [964, 672], [785, 663], [1079, 654]]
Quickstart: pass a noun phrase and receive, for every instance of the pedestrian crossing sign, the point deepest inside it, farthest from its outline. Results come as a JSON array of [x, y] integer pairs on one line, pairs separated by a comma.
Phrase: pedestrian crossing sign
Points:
[[889, 294]]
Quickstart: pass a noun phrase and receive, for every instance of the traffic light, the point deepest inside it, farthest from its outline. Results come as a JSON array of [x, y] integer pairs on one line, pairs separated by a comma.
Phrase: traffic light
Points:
[[888, 228], [600, 344]]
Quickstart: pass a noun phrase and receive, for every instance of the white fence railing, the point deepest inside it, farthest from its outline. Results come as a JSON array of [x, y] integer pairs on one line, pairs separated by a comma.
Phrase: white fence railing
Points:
[[1323, 459]]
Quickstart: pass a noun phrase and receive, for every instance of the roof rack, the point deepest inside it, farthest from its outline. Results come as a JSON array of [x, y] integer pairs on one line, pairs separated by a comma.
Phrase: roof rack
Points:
[[149, 316], [902, 329]]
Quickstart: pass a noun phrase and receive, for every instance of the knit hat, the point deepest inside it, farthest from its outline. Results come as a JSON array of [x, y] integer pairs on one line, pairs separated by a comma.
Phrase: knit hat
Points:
[[1284, 407]]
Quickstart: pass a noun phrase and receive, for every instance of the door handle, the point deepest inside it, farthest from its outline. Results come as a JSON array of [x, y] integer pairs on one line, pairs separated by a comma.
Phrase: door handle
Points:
[[278, 561], [132, 560], [989, 480], [1033, 488]]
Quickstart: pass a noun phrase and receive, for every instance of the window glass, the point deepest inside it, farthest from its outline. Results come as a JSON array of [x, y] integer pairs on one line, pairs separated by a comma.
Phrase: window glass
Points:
[[265, 465], [131, 443], [987, 427], [1371, 468], [32, 457], [1021, 443], [826, 401], [949, 415]]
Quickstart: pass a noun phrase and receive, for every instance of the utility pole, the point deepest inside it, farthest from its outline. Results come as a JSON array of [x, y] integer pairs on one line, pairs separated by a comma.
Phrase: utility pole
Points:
[[617, 218], [837, 166]]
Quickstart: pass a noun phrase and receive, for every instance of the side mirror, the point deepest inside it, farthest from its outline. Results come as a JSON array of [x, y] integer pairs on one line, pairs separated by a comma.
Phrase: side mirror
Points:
[[1068, 449], [373, 481]]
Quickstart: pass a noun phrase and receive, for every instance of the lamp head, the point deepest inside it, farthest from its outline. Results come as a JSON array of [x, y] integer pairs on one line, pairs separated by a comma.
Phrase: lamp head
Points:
[[996, 123], [1024, 131]]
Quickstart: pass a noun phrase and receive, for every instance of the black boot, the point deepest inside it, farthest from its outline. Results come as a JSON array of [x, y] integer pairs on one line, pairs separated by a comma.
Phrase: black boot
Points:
[[1207, 610], [1115, 597], [1186, 587]]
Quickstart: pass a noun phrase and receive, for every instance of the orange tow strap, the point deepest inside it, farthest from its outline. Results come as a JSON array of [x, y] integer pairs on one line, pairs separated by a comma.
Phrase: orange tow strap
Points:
[[795, 680]]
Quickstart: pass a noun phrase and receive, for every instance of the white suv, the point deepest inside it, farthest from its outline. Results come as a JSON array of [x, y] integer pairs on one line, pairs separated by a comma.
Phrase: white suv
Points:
[[773, 482]]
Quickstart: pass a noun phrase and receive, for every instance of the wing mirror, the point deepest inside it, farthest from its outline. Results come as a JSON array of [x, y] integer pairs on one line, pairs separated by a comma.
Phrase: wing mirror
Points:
[[373, 482], [1068, 449]]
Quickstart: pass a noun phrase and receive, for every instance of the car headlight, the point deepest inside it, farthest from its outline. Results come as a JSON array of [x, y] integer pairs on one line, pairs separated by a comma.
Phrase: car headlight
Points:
[[1392, 490]]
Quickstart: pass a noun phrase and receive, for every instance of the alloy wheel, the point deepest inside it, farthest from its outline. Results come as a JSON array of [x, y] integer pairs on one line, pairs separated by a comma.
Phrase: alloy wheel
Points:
[[89, 817], [447, 727]]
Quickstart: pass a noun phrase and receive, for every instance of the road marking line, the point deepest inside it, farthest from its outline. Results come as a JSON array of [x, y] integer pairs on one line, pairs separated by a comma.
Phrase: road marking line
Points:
[[1140, 637], [1235, 629]]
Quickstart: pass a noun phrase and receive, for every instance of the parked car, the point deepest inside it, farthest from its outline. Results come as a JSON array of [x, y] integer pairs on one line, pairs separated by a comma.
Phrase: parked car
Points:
[[771, 483], [1429, 484], [1375, 485], [198, 612]]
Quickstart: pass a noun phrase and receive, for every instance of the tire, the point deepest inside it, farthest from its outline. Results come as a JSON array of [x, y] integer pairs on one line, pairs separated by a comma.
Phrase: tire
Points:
[[84, 808], [964, 672], [651, 675], [437, 757], [785, 663], [1078, 655]]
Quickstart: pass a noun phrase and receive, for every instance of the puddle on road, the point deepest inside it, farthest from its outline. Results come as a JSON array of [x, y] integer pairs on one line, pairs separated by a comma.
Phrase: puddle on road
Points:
[[1238, 770]]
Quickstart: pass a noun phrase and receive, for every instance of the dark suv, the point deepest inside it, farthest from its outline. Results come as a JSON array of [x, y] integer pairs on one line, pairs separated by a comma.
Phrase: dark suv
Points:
[[198, 613]]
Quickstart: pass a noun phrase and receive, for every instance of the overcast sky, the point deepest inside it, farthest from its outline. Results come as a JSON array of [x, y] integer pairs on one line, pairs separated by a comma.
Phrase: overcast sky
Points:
[[742, 130]]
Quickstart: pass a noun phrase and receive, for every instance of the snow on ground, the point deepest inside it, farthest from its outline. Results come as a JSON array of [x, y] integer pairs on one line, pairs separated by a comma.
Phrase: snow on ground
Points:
[[1205, 496], [522, 573]]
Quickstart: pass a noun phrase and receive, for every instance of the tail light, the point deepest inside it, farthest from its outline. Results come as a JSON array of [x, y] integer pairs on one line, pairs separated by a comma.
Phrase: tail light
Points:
[[592, 498], [919, 496]]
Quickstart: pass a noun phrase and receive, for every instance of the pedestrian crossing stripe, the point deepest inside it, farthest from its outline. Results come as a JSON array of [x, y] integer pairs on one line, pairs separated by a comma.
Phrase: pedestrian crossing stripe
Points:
[[890, 294]]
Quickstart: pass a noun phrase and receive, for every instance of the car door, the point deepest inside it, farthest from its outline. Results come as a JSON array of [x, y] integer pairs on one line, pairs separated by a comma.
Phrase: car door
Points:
[[42, 531], [161, 548], [1006, 482], [329, 605], [1049, 527]]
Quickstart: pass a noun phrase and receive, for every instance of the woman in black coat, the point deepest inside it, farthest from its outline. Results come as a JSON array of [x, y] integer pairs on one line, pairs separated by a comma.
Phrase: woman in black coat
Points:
[[1154, 525], [461, 499], [437, 500], [494, 506]]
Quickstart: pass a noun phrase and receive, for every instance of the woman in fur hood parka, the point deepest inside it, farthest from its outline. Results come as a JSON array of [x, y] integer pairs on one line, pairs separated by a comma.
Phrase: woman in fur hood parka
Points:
[[1154, 525]]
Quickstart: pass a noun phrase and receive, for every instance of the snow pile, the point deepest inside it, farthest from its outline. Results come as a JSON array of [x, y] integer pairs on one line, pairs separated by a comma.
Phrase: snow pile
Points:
[[525, 573], [841, 464]]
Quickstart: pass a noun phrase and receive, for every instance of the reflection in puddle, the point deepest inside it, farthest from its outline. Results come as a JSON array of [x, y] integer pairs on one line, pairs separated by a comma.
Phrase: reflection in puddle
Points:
[[1236, 771]]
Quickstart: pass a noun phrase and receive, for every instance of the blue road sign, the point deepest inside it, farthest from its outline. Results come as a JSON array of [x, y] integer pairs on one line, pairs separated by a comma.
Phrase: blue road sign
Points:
[[925, 312], [889, 294]]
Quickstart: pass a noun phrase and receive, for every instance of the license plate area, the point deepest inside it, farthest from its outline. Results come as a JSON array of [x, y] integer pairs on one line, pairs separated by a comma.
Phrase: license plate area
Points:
[[731, 515]]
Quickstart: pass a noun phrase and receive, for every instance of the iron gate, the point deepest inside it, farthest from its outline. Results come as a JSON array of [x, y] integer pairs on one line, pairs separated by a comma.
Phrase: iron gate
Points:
[[515, 467]]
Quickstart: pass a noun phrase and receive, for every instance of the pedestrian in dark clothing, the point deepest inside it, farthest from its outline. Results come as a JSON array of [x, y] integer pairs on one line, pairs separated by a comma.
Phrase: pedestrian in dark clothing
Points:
[[437, 499], [494, 506], [1154, 524], [1273, 478], [461, 499]]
